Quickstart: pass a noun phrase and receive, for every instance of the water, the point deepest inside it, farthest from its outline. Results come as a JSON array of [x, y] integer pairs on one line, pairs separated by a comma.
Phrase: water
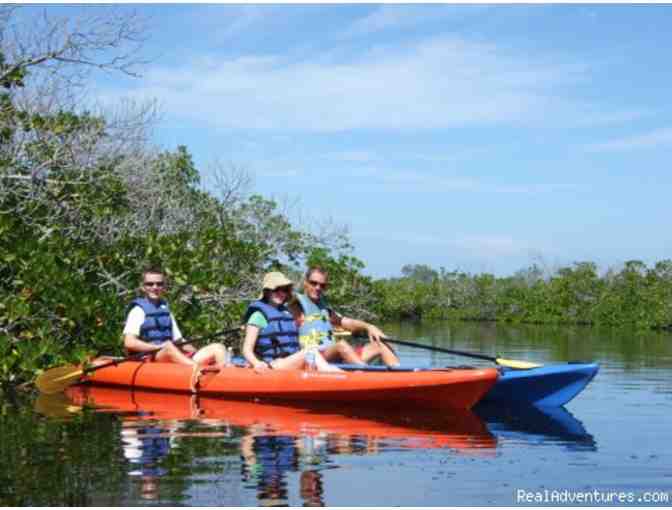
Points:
[[143, 448]]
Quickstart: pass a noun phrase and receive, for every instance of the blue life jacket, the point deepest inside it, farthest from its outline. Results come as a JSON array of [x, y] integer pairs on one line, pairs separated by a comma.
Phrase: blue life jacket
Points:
[[158, 326], [316, 329], [280, 338]]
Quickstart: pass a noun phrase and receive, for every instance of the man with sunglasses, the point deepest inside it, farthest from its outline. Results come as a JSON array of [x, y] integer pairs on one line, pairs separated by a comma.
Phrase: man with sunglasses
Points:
[[316, 321], [150, 325]]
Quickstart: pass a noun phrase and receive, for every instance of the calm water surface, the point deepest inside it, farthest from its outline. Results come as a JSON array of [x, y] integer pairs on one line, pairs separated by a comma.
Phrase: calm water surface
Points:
[[140, 448]]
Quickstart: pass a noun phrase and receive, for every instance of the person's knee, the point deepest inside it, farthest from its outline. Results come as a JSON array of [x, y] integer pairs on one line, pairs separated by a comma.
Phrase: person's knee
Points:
[[217, 347], [169, 348], [344, 347]]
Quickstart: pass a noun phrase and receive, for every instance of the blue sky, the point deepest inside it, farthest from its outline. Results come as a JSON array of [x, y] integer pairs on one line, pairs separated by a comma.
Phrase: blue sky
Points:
[[473, 137]]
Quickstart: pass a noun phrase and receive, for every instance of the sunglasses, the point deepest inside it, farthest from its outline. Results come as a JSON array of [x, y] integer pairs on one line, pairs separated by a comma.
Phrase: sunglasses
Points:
[[286, 289], [154, 284], [324, 285]]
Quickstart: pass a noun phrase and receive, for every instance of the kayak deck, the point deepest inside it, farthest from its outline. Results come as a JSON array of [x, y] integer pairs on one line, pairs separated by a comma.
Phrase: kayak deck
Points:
[[454, 388]]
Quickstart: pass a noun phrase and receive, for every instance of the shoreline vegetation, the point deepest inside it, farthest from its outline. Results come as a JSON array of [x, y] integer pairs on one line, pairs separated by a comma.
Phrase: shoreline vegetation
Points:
[[87, 201]]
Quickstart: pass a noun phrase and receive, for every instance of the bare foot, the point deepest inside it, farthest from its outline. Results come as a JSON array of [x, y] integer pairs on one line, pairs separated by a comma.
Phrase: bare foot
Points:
[[195, 376]]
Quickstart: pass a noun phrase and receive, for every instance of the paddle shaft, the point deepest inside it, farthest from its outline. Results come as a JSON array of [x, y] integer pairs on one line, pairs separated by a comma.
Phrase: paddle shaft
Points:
[[439, 349], [141, 355]]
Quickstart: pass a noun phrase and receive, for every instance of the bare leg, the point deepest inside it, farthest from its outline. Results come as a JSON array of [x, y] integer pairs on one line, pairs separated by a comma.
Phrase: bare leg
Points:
[[342, 350], [371, 350], [298, 360], [323, 366], [293, 362], [172, 354], [211, 353]]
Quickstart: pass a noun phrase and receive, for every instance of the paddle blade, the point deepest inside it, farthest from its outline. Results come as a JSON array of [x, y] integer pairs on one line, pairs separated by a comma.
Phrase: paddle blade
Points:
[[55, 406], [57, 379], [520, 365]]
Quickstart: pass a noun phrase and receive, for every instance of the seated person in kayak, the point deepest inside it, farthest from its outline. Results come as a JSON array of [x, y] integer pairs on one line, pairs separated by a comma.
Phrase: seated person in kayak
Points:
[[271, 335], [150, 325], [316, 321]]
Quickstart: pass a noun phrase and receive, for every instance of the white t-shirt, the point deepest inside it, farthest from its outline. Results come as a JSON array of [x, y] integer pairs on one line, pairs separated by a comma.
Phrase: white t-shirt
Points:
[[137, 316]]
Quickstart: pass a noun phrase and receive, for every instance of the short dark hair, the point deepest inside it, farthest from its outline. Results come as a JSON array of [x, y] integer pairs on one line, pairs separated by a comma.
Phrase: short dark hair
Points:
[[153, 270], [316, 269]]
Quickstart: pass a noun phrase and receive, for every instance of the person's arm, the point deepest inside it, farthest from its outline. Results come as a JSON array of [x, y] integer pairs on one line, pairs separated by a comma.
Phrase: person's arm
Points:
[[251, 335], [355, 325], [177, 337]]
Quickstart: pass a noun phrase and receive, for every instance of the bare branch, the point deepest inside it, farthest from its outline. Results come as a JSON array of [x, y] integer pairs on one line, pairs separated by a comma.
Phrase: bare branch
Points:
[[101, 38]]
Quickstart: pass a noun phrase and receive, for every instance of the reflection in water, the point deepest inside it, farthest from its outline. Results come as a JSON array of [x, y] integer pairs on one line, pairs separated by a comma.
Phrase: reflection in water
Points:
[[532, 425], [276, 440], [56, 405], [311, 488], [266, 460], [145, 443]]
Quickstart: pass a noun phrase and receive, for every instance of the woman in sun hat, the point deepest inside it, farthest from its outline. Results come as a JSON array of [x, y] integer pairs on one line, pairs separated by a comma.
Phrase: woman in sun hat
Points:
[[271, 335]]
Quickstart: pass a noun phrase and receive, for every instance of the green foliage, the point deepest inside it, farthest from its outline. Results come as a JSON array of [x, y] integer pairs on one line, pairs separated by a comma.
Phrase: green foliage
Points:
[[636, 296]]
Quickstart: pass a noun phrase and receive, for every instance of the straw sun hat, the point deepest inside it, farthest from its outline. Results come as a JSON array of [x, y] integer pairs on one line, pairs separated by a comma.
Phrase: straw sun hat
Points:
[[273, 280]]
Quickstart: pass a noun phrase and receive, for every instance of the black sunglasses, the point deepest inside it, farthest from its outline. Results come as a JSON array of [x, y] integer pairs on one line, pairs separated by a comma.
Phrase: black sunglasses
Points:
[[153, 284], [324, 285]]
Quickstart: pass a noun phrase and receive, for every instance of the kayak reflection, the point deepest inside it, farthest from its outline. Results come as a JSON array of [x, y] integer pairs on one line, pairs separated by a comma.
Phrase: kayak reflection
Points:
[[275, 440], [533, 425]]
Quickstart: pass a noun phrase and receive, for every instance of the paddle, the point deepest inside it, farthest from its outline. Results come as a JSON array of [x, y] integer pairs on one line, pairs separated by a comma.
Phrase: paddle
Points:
[[511, 363], [57, 379]]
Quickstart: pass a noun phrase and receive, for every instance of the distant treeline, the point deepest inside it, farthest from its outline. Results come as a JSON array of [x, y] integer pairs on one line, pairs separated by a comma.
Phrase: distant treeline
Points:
[[634, 296]]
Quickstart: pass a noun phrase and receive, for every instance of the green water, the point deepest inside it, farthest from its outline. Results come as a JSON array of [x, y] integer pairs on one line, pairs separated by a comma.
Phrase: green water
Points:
[[180, 451]]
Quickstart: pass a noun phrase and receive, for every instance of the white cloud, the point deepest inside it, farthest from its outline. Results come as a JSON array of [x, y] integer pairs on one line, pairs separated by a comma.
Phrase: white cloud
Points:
[[653, 139], [224, 24], [389, 17], [437, 83]]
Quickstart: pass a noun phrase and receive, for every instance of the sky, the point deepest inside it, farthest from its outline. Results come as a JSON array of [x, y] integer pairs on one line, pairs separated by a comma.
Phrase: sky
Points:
[[480, 138]]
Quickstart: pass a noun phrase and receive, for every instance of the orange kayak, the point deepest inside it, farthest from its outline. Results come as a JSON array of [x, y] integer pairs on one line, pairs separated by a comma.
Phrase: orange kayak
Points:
[[453, 388], [461, 430]]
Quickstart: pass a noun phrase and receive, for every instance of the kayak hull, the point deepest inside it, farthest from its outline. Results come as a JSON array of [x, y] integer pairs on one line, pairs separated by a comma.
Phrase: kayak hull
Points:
[[452, 388], [547, 386]]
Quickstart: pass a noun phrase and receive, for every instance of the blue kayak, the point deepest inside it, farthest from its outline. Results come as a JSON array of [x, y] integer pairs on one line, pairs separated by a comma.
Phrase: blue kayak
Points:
[[546, 386]]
